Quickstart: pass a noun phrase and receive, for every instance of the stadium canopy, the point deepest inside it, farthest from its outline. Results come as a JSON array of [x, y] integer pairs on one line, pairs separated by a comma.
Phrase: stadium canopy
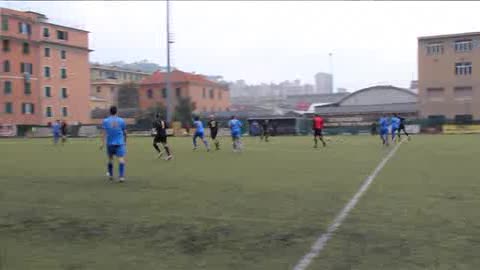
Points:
[[377, 99]]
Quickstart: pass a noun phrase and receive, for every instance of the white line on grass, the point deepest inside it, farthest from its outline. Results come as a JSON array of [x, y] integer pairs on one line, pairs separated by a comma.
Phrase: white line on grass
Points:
[[322, 240]]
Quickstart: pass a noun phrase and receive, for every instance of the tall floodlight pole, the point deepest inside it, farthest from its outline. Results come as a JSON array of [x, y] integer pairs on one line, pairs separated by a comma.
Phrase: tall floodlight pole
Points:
[[167, 77]]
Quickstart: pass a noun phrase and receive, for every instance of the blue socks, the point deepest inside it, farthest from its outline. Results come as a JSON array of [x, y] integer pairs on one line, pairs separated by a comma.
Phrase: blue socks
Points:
[[121, 169], [110, 169]]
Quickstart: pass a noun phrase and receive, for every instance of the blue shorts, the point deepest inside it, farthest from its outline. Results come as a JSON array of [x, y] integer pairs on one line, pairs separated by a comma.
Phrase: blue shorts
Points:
[[394, 129], [383, 131], [116, 150], [199, 134], [236, 134]]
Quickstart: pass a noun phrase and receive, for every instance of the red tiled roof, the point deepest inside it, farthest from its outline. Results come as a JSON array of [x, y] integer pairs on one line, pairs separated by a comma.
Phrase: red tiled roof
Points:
[[175, 76]]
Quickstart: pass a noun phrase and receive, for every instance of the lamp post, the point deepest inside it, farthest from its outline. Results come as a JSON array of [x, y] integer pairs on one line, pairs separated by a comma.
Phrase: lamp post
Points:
[[167, 77]]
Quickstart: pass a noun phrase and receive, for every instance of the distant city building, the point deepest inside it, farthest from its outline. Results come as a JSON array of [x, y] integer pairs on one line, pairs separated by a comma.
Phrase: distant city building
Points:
[[303, 102], [414, 85], [281, 90], [45, 70], [449, 76], [342, 90], [324, 83], [215, 78], [206, 95]]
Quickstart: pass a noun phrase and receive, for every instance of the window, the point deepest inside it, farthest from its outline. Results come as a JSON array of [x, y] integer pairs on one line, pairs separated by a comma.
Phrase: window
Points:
[[437, 119], [48, 91], [47, 52], [62, 35], [28, 108], [112, 89], [220, 94], [435, 94], [24, 28], [6, 66], [64, 111], [465, 45], [6, 45], [434, 48], [164, 92], [463, 68], [204, 93], [26, 68], [463, 119], [4, 23], [27, 88], [26, 48], [63, 54], [8, 107], [99, 89], [63, 73], [46, 32], [212, 94], [64, 93], [178, 92], [48, 111], [463, 93], [7, 87], [46, 72], [149, 93]]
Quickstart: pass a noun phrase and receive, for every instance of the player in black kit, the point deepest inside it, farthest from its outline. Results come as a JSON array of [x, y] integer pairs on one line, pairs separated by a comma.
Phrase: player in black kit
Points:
[[401, 127], [265, 130], [160, 127], [213, 126], [63, 130]]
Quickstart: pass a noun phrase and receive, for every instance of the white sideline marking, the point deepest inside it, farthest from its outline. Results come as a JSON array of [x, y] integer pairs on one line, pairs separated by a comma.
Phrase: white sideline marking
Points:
[[321, 241]]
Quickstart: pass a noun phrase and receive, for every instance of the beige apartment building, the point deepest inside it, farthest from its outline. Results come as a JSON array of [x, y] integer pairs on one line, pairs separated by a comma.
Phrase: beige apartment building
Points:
[[449, 77], [106, 81]]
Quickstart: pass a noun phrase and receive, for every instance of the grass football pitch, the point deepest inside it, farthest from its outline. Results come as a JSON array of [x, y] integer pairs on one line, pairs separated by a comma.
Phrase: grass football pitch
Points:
[[260, 209]]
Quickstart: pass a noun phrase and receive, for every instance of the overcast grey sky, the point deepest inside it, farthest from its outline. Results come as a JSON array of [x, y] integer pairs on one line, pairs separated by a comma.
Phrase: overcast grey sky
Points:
[[267, 41]]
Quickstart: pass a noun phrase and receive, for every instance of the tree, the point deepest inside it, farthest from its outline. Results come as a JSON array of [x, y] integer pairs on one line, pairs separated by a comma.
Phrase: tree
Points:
[[184, 111], [145, 118], [128, 95]]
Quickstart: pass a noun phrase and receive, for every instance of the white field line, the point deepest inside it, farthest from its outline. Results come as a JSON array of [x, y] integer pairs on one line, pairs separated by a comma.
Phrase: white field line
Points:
[[322, 240]]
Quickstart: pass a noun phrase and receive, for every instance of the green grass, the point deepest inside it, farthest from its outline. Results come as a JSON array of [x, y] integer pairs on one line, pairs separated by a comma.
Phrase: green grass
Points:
[[422, 212], [260, 209]]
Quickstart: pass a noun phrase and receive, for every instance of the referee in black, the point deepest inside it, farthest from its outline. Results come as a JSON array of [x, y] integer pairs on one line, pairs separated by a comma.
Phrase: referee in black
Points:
[[401, 127], [213, 126], [160, 127]]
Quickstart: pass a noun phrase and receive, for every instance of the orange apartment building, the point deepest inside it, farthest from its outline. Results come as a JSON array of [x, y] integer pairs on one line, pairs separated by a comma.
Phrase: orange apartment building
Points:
[[44, 70], [206, 95], [449, 77]]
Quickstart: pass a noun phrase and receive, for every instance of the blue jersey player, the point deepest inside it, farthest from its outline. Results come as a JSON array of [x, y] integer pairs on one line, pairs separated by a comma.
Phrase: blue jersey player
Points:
[[114, 135], [236, 131], [199, 133], [383, 123], [395, 122], [56, 131]]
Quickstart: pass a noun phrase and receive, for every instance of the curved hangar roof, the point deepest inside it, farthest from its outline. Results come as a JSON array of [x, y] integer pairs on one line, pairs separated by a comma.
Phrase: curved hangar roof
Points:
[[382, 98]]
